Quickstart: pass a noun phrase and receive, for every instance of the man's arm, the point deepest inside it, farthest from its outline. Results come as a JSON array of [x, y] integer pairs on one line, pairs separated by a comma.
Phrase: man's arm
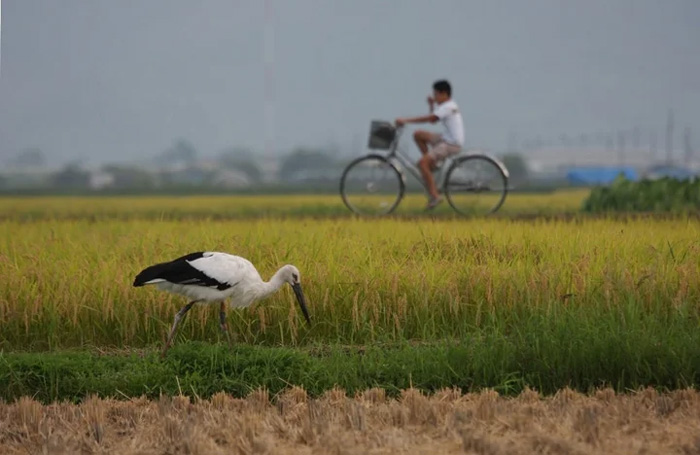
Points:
[[432, 118]]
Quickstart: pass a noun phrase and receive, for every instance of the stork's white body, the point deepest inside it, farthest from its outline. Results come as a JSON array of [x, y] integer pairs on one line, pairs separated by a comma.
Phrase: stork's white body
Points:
[[231, 278], [246, 283], [208, 277], [201, 295]]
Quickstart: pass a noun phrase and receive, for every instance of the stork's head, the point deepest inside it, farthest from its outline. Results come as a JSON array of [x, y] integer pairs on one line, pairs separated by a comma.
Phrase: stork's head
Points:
[[290, 274]]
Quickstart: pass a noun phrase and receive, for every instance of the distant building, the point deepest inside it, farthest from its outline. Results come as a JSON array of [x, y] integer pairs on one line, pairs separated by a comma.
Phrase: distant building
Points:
[[599, 175], [559, 159], [559, 162]]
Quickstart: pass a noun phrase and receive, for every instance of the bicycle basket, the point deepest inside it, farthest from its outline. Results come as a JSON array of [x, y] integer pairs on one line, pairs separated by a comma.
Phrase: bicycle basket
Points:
[[381, 135]]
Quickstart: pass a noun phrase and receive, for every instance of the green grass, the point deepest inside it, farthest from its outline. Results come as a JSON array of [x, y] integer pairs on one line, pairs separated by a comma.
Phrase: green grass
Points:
[[625, 351]]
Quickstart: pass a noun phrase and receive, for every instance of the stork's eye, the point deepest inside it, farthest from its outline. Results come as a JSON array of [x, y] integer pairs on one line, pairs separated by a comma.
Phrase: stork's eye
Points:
[[295, 276]]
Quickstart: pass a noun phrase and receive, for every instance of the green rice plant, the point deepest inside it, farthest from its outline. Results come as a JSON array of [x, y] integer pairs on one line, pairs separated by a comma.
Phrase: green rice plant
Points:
[[67, 283], [223, 207]]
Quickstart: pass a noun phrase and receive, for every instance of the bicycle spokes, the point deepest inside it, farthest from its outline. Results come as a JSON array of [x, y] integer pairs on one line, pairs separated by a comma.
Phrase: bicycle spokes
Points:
[[476, 185], [371, 185]]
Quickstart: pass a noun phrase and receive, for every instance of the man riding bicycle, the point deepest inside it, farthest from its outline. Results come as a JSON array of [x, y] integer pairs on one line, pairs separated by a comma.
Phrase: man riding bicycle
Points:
[[436, 147]]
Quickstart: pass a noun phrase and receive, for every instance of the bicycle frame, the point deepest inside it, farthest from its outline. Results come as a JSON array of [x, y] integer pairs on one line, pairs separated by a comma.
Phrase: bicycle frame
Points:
[[398, 160]]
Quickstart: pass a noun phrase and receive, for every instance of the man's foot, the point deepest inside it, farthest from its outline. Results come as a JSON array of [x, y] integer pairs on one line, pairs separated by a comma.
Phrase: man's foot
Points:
[[433, 202]]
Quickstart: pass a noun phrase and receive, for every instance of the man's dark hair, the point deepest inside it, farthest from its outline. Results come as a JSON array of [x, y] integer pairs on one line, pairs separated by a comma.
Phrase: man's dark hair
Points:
[[443, 86]]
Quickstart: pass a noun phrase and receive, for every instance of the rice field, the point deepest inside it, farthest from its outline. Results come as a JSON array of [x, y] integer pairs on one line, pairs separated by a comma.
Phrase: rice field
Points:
[[252, 206], [67, 282], [525, 299], [447, 422]]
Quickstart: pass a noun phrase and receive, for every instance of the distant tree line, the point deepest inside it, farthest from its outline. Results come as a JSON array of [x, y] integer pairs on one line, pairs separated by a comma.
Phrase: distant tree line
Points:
[[180, 165]]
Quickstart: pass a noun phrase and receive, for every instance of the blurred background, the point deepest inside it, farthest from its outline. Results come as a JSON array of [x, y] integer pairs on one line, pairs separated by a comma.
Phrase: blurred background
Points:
[[271, 95]]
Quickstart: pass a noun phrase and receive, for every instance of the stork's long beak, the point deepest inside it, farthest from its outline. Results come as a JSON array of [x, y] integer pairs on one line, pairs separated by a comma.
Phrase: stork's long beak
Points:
[[302, 301]]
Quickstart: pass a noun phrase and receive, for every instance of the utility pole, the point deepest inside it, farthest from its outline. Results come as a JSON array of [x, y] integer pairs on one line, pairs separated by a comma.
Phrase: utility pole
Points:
[[635, 137], [669, 138], [621, 147], [269, 58], [653, 145], [687, 146], [610, 143]]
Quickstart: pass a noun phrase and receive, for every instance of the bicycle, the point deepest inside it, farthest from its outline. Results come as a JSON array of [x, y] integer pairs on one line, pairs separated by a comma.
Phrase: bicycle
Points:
[[374, 184]]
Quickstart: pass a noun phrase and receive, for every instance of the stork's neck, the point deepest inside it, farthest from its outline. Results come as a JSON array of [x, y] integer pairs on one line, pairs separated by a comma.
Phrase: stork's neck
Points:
[[271, 286]]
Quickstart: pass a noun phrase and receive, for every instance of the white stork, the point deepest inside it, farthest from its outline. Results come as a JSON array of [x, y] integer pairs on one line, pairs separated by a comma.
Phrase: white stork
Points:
[[215, 277]]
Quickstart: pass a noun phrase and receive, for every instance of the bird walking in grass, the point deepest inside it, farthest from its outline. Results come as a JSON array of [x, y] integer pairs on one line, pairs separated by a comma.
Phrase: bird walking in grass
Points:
[[211, 277]]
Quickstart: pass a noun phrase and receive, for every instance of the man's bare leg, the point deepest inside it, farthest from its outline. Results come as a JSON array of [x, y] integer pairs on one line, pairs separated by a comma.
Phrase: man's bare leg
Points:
[[425, 165], [422, 139]]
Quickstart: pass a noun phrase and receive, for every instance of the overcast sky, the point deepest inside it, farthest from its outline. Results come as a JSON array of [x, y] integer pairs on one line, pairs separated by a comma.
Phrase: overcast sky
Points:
[[113, 80]]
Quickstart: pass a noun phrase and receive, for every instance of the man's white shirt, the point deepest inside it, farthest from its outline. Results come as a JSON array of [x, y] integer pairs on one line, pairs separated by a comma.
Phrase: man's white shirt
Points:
[[451, 119]]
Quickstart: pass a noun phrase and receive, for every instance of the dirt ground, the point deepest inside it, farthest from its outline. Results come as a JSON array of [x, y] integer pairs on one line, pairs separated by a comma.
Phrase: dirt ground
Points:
[[447, 422]]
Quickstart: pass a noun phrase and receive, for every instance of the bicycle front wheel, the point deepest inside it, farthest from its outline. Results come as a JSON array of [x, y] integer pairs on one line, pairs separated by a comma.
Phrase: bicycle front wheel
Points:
[[371, 185], [476, 185]]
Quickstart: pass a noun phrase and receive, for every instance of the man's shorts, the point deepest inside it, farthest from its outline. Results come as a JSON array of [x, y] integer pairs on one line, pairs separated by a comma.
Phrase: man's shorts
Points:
[[439, 149]]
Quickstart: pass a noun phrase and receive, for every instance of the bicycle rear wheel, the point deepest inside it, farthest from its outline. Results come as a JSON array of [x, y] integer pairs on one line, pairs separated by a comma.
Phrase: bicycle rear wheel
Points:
[[476, 185], [371, 185]]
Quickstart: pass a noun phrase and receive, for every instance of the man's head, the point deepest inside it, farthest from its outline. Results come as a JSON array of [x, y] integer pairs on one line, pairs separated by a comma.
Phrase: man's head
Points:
[[442, 91]]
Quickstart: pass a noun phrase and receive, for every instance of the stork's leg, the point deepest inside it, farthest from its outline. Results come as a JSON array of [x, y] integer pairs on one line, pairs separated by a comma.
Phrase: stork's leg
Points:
[[178, 317], [222, 321]]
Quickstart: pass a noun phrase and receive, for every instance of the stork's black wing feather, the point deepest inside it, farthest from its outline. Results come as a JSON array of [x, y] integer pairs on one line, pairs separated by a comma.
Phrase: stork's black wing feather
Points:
[[179, 271]]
